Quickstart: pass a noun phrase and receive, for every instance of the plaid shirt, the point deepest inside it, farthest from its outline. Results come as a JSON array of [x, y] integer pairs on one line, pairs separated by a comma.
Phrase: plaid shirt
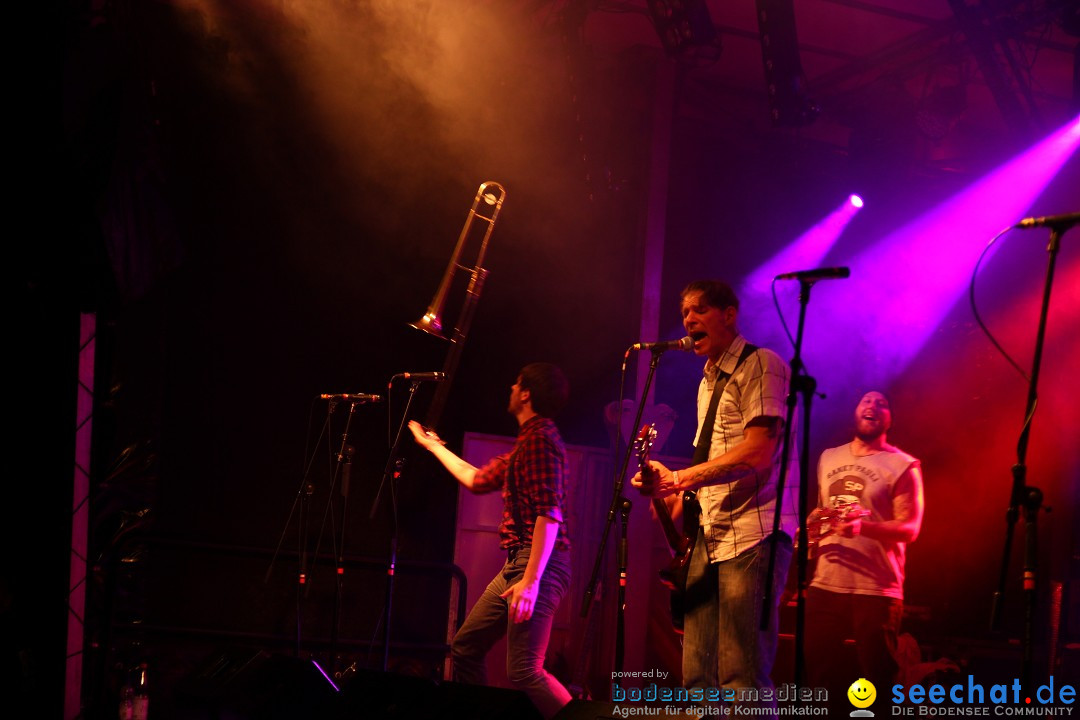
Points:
[[737, 515], [538, 465]]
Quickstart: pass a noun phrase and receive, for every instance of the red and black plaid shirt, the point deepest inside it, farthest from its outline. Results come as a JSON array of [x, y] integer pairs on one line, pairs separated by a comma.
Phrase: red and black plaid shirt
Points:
[[538, 467]]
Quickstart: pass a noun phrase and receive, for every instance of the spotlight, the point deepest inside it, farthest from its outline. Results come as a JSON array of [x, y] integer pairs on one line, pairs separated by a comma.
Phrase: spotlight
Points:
[[856, 201]]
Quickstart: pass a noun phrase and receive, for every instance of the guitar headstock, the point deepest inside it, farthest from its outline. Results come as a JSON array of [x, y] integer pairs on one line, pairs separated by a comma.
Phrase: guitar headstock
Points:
[[644, 442]]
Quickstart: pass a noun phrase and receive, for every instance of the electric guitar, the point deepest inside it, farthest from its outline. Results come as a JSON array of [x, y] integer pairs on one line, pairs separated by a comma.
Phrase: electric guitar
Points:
[[681, 543]]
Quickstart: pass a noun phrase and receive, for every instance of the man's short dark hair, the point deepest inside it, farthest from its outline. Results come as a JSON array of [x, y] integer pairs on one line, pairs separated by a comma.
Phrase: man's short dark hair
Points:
[[882, 393], [548, 388], [717, 294]]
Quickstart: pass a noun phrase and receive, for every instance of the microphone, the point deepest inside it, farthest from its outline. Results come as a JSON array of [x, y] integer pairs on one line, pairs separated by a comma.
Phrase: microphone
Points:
[[687, 343], [825, 273], [351, 397], [1057, 222], [422, 377], [345, 462]]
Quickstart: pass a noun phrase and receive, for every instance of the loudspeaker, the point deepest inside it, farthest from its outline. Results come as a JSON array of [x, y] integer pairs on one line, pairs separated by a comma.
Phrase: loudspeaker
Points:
[[587, 710], [244, 684], [683, 24], [786, 82], [596, 710], [486, 703], [388, 696], [374, 695]]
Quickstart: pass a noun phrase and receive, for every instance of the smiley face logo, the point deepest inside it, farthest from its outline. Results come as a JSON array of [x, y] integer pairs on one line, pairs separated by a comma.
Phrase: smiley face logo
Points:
[[862, 693]]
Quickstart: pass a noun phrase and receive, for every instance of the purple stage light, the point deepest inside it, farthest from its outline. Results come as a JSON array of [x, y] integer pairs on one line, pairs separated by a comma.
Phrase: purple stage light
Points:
[[804, 253], [855, 200], [902, 286]]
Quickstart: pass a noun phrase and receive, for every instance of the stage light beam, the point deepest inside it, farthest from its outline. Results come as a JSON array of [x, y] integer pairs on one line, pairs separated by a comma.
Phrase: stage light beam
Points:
[[904, 285]]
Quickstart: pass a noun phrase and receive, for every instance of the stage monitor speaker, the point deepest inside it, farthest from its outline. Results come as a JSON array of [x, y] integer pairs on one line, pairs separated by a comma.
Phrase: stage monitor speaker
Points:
[[377, 695], [478, 702], [244, 684], [587, 710], [596, 710], [374, 695]]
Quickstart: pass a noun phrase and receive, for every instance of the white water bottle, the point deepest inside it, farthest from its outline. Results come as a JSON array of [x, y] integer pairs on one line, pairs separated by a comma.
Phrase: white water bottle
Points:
[[141, 698]]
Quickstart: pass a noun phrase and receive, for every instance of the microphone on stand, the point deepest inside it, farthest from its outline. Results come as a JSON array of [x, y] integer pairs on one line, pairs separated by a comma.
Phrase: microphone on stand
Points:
[[351, 397], [345, 459], [1057, 222], [825, 273], [686, 343], [421, 377]]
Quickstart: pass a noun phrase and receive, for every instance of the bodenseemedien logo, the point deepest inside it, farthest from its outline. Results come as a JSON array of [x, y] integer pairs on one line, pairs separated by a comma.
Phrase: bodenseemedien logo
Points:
[[655, 700], [862, 694]]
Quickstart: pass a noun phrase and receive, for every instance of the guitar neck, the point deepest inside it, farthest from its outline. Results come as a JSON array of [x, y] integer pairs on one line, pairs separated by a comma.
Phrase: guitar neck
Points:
[[644, 442], [674, 537]]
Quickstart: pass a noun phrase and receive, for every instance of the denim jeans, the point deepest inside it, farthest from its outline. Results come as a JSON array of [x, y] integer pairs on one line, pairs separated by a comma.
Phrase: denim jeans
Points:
[[723, 644], [526, 642]]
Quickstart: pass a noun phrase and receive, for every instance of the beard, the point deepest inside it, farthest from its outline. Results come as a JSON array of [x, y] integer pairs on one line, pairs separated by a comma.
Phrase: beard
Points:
[[869, 433]]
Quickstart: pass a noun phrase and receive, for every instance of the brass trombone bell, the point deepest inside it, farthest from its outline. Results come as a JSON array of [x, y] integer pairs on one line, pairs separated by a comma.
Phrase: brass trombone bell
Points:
[[429, 323], [492, 194]]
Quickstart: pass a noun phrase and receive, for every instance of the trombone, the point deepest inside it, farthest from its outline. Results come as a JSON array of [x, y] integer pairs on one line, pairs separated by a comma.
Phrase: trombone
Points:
[[485, 208], [491, 194]]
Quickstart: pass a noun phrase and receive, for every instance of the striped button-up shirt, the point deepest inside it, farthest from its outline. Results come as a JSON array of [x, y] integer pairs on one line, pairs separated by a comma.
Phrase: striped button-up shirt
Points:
[[736, 515]]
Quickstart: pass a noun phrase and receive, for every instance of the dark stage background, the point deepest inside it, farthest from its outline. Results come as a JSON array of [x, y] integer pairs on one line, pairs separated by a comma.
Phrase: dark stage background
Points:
[[256, 198]]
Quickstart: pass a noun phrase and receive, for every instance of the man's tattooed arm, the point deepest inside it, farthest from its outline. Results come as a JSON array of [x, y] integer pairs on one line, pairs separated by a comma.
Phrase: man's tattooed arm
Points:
[[753, 455]]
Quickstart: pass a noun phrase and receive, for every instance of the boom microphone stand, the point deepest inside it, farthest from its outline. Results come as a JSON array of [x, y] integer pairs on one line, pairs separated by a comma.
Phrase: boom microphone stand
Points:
[[344, 471], [1024, 495], [302, 501], [301, 508], [394, 466], [621, 506], [805, 385]]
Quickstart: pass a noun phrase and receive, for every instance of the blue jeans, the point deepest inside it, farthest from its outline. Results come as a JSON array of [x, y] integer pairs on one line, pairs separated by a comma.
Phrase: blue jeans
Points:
[[723, 644], [526, 642]]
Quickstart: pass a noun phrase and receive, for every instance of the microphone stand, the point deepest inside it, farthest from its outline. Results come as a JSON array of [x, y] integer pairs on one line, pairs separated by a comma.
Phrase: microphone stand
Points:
[[805, 385], [1024, 495], [622, 506], [344, 469], [303, 501], [394, 466], [304, 523], [341, 469]]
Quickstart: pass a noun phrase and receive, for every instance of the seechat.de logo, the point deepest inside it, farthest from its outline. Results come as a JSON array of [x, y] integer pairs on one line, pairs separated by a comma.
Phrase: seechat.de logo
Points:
[[972, 697]]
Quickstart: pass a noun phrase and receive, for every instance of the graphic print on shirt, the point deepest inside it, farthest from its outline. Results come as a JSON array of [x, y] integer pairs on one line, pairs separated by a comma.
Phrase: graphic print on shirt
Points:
[[847, 484]]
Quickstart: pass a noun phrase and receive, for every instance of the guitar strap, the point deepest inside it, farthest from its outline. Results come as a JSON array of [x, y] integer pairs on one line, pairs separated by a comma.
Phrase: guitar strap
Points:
[[704, 443]]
